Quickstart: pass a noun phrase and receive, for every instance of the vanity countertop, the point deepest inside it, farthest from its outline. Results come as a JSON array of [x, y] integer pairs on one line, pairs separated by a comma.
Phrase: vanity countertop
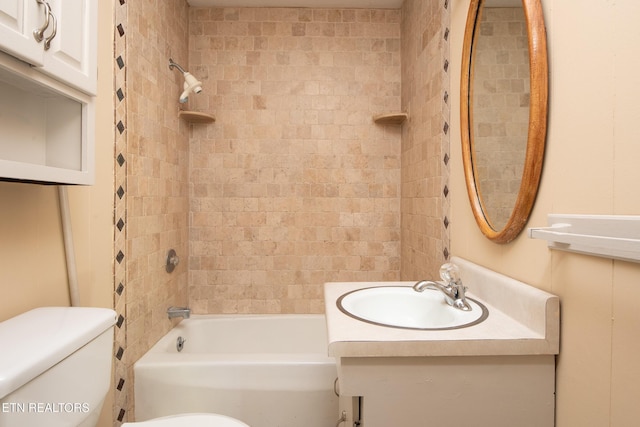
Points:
[[523, 320]]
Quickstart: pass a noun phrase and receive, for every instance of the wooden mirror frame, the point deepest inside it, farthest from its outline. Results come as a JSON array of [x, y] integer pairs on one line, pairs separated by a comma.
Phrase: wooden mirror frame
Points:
[[534, 156]]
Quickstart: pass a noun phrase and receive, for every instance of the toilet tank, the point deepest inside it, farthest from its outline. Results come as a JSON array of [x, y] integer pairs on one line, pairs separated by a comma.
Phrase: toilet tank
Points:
[[55, 366]]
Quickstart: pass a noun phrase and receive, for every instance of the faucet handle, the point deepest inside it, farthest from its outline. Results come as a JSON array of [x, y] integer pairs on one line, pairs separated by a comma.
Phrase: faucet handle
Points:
[[172, 261], [450, 273]]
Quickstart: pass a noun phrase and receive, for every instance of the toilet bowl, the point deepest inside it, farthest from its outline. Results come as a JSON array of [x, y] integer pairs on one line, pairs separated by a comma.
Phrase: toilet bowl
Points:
[[190, 420]]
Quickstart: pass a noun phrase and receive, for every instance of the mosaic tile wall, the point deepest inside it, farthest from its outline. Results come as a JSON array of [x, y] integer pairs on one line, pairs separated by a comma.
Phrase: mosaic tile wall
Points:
[[151, 202], [294, 185], [425, 138], [121, 381]]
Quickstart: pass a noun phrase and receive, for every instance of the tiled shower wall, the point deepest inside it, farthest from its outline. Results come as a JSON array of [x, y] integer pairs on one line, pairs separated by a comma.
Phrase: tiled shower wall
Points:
[[157, 171], [294, 185], [151, 201], [425, 138]]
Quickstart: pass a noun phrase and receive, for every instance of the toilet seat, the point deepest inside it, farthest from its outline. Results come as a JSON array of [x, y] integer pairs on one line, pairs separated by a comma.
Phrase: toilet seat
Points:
[[190, 420]]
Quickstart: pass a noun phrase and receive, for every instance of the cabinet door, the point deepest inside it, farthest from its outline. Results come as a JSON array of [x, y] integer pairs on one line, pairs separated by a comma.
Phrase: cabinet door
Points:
[[72, 57], [18, 19]]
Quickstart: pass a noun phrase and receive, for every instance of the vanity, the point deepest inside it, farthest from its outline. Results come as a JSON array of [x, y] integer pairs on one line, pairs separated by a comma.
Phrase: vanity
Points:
[[497, 372]]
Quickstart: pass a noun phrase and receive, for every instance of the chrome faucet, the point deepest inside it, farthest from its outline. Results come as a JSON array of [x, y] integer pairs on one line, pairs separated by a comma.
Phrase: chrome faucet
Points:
[[453, 289], [184, 312]]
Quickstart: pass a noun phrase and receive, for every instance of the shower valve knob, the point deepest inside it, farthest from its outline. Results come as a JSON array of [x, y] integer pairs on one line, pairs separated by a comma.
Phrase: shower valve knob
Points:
[[172, 261]]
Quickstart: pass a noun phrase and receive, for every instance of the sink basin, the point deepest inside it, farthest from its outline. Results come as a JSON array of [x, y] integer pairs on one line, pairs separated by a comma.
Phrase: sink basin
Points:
[[402, 307]]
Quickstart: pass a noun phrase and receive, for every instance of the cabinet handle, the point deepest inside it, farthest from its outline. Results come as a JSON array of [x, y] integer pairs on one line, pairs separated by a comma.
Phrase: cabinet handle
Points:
[[47, 41], [38, 33]]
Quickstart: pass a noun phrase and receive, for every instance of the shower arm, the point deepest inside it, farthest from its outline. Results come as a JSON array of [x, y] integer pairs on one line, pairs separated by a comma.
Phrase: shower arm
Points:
[[176, 65]]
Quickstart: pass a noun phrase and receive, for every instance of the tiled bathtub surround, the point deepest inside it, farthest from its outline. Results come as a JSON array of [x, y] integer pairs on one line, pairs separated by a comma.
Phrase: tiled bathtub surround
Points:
[[425, 137], [157, 172], [294, 185], [151, 165]]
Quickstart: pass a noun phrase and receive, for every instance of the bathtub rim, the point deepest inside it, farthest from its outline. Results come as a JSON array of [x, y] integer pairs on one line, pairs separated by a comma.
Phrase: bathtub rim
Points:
[[158, 355]]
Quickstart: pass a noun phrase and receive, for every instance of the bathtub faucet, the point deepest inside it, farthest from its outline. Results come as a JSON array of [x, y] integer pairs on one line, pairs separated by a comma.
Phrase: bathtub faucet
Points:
[[184, 312], [453, 289]]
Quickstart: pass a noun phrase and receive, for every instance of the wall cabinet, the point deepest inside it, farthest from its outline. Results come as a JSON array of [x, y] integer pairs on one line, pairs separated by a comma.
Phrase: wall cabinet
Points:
[[47, 129], [68, 49], [47, 104]]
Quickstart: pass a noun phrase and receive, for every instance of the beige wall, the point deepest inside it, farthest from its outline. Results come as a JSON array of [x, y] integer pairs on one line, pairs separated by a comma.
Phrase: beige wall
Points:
[[32, 260], [590, 168], [294, 185]]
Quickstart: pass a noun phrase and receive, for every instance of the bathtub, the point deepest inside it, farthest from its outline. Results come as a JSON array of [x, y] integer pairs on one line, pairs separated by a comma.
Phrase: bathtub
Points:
[[265, 370]]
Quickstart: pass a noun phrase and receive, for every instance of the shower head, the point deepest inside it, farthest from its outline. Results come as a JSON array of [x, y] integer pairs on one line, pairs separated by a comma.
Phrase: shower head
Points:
[[191, 84]]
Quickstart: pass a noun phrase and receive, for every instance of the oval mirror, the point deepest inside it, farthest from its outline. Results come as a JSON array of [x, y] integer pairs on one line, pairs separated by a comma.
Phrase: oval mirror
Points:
[[503, 112]]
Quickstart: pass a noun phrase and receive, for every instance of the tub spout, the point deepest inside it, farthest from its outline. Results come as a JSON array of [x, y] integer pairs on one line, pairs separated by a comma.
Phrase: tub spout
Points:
[[184, 312]]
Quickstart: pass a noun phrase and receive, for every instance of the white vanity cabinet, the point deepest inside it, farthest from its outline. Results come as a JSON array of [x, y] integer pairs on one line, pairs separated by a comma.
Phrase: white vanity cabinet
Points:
[[47, 129], [499, 372], [68, 50]]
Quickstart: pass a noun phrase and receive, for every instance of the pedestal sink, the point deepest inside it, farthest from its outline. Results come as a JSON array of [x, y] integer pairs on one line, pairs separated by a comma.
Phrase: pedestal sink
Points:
[[402, 307]]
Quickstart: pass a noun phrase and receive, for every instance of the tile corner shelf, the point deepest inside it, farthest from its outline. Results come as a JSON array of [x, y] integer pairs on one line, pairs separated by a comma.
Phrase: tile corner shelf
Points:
[[609, 236], [390, 119], [196, 117]]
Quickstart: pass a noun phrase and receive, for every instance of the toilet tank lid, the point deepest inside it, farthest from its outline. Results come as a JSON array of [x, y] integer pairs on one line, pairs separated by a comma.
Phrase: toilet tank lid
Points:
[[34, 341]]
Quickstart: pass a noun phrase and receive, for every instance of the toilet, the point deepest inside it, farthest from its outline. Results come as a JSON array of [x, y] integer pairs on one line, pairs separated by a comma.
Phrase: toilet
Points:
[[55, 371], [190, 420]]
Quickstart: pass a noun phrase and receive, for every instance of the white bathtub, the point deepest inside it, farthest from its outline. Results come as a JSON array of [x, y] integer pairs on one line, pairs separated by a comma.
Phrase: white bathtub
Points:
[[265, 370]]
